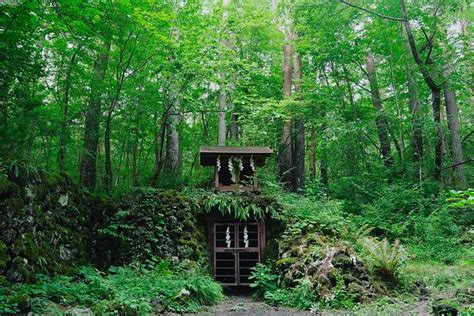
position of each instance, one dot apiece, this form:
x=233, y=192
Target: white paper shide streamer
x=227, y=237
x=246, y=237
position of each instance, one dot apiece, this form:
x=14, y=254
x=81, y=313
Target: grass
x=427, y=285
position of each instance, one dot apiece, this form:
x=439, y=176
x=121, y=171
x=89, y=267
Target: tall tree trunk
x=135, y=160
x=222, y=128
x=88, y=168
x=435, y=92
x=159, y=147
x=172, y=161
x=380, y=121
x=323, y=170
x=350, y=93
x=312, y=154
x=234, y=119
x=108, y=154
x=64, y=132
x=284, y=157
x=468, y=46
x=414, y=108
x=299, y=148
x=221, y=133
x=452, y=115
x=323, y=162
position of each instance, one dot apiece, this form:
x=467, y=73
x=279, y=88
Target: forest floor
x=245, y=305
x=241, y=305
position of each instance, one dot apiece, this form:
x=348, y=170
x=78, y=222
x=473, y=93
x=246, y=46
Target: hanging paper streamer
x=252, y=165
x=232, y=172
x=227, y=237
x=218, y=163
x=246, y=237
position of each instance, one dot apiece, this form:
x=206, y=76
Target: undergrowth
x=123, y=290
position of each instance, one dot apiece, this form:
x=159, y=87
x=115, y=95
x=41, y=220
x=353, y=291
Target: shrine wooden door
x=237, y=249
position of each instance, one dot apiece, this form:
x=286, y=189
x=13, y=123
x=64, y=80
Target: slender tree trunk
x=159, y=147
x=350, y=93
x=452, y=115
x=285, y=159
x=438, y=134
x=221, y=133
x=435, y=92
x=108, y=154
x=64, y=132
x=234, y=120
x=135, y=160
x=323, y=170
x=300, y=148
x=222, y=128
x=172, y=161
x=414, y=108
x=468, y=46
x=323, y=162
x=312, y=155
x=88, y=168
x=380, y=122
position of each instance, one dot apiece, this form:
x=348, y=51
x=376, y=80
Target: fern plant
x=386, y=258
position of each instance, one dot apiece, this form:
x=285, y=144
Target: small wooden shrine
x=235, y=166
x=237, y=246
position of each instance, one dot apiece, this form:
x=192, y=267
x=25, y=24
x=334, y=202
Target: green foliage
x=385, y=259
x=462, y=199
x=151, y=225
x=241, y=205
x=301, y=296
x=437, y=237
x=121, y=290
x=264, y=280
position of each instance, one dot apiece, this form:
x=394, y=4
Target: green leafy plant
x=121, y=290
x=385, y=258
x=461, y=198
x=301, y=296
x=263, y=280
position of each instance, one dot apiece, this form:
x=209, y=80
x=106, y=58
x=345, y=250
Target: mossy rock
x=343, y=262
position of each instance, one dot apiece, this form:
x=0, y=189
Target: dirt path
x=236, y=305
x=245, y=305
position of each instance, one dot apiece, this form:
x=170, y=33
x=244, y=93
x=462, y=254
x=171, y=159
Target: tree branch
x=467, y=136
x=372, y=12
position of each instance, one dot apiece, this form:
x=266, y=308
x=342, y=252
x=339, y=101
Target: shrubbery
x=125, y=290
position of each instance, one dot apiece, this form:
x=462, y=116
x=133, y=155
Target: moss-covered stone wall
x=44, y=220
